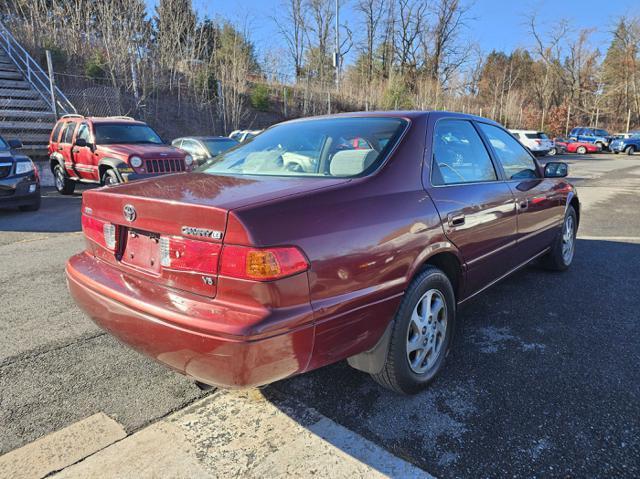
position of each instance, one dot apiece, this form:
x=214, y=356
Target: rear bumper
x=177, y=331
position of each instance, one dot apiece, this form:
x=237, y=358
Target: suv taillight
x=101, y=232
x=261, y=264
x=189, y=255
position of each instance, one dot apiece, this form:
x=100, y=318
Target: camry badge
x=202, y=232
x=129, y=213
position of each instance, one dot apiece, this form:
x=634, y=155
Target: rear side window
x=56, y=132
x=515, y=160
x=459, y=156
x=83, y=132
x=67, y=134
x=537, y=136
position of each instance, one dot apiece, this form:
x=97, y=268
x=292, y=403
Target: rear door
x=64, y=148
x=539, y=201
x=83, y=157
x=476, y=206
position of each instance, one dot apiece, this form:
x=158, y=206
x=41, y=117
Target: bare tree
x=293, y=29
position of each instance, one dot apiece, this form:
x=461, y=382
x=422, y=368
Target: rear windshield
x=113, y=133
x=329, y=147
x=216, y=147
x=537, y=135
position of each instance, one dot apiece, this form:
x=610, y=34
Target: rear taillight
x=539, y=142
x=261, y=264
x=101, y=232
x=189, y=255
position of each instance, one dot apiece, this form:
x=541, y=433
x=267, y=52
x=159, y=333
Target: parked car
x=629, y=145
x=597, y=136
x=108, y=151
x=246, y=272
x=537, y=141
x=571, y=146
x=202, y=148
x=19, y=179
x=244, y=135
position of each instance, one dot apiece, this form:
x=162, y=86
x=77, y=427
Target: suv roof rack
x=71, y=115
x=121, y=117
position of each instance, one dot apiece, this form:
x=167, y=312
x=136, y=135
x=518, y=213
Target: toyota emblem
x=129, y=213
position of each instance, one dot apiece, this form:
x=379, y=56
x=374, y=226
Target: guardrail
x=33, y=73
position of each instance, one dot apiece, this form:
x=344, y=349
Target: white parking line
x=62, y=448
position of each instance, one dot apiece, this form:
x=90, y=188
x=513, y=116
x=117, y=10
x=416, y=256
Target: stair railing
x=33, y=73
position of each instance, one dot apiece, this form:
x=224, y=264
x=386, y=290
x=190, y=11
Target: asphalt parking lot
x=543, y=379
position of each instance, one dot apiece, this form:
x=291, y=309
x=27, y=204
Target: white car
x=537, y=141
x=243, y=135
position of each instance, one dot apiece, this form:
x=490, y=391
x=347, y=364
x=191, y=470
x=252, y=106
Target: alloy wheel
x=568, y=240
x=427, y=331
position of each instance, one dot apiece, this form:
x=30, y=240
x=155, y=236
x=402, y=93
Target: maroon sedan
x=351, y=237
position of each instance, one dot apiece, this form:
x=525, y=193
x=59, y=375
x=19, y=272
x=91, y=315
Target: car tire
x=616, y=152
x=425, y=321
x=630, y=150
x=35, y=206
x=63, y=183
x=552, y=152
x=109, y=178
x=560, y=257
x=581, y=150
x=601, y=146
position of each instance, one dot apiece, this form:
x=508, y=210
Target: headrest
x=351, y=162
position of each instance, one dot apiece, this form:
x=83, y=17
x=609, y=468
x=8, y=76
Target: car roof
x=101, y=119
x=226, y=138
x=404, y=114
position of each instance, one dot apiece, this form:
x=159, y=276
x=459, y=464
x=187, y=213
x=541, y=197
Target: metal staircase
x=28, y=107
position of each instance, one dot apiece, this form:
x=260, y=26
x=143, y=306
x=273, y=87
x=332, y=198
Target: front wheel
x=109, y=178
x=560, y=257
x=552, y=152
x=630, y=150
x=581, y=150
x=421, y=334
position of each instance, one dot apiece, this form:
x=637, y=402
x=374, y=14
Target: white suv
x=538, y=143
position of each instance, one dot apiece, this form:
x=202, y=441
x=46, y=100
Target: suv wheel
x=64, y=185
x=421, y=335
x=581, y=150
x=630, y=150
x=601, y=146
x=563, y=248
x=109, y=177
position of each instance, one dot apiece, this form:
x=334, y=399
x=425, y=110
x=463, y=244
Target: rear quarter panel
x=364, y=240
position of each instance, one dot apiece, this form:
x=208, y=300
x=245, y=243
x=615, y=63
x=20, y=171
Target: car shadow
x=537, y=359
x=57, y=214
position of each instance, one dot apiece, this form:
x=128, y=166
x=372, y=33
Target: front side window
x=319, y=147
x=459, y=156
x=515, y=159
x=67, y=135
x=127, y=133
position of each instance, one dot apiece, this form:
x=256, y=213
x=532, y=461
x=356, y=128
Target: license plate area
x=142, y=251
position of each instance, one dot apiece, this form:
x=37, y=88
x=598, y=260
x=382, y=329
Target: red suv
x=248, y=271
x=109, y=150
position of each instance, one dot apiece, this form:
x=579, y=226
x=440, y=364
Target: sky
x=493, y=24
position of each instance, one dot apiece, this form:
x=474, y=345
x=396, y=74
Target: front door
x=539, y=201
x=476, y=206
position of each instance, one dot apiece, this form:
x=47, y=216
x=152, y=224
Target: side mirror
x=556, y=169
x=15, y=144
x=81, y=142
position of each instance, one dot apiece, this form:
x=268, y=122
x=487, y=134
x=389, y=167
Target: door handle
x=523, y=204
x=455, y=220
